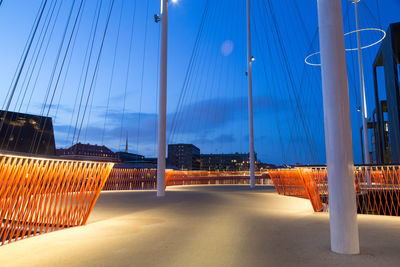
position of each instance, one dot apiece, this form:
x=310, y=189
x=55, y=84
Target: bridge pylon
x=338, y=142
x=162, y=103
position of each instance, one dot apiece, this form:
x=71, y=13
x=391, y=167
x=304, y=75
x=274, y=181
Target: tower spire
x=126, y=145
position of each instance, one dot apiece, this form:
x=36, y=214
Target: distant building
x=184, y=156
x=385, y=121
x=129, y=157
x=88, y=151
x=265, y=166
x=225, y=162
x=380, y=146
x=130, y=160
x=147, y=163
x=27, y=133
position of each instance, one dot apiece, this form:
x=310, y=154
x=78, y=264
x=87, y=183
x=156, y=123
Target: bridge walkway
x=205, y=226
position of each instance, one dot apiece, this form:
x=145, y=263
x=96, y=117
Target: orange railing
x=140, y=179
x=213, y=177
x=377, y=187
x=39, y=195
x=288, y=182
x=131, y=179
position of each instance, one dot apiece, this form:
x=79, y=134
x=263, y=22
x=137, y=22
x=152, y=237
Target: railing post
x=339, y=149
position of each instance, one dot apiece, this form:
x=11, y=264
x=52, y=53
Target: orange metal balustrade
x=213, y=177
x=296, y=183
x=377, y=187
x=40, y=195
x=288, y=182
x=131, y=179
x=139, y=179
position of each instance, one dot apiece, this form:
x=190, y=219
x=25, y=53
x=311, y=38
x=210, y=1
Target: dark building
x=87, y=151
x=129, y=157
x=386, y=117
x=225, y=162
x=146, y=163
x=376, y=142
x=27, y=133
x=184, y=156
x=130, y=160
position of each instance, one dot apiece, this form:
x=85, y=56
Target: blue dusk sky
x=93, y=67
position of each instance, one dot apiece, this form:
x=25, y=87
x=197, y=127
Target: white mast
x=162, y=106
x=250, y=99
x=367, y=158
x=339, y=149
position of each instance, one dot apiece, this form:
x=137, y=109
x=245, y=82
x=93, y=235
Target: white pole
x=250, y=88
x=162, y=106
x=367, y=158
x=339, y=152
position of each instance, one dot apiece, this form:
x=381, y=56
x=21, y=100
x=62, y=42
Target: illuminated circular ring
x=367, y=29
x=310, y=63
x=306, y=60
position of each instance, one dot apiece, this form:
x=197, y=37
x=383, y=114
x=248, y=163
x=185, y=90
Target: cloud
x=210, y=124
x=53, y=108
x=217, y=112
x=219, y=138
x=210, y=115
x=113, y=130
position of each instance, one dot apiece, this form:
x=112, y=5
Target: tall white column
x=339, y=152
x=162, y=105
x=250, y=96
x=367, y=158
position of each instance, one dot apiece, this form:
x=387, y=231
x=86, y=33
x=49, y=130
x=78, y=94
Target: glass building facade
x=26, y=133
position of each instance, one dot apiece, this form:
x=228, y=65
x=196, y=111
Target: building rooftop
x=80, y=150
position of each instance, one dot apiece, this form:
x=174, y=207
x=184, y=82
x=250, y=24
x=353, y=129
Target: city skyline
x=207, y=133
x=213, y=113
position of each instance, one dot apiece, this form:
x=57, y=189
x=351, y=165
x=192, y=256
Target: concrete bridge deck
x=205, y=226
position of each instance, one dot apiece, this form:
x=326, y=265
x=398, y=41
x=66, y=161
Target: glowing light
x=55, y=158
x=174, y=1
x=227, y=48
